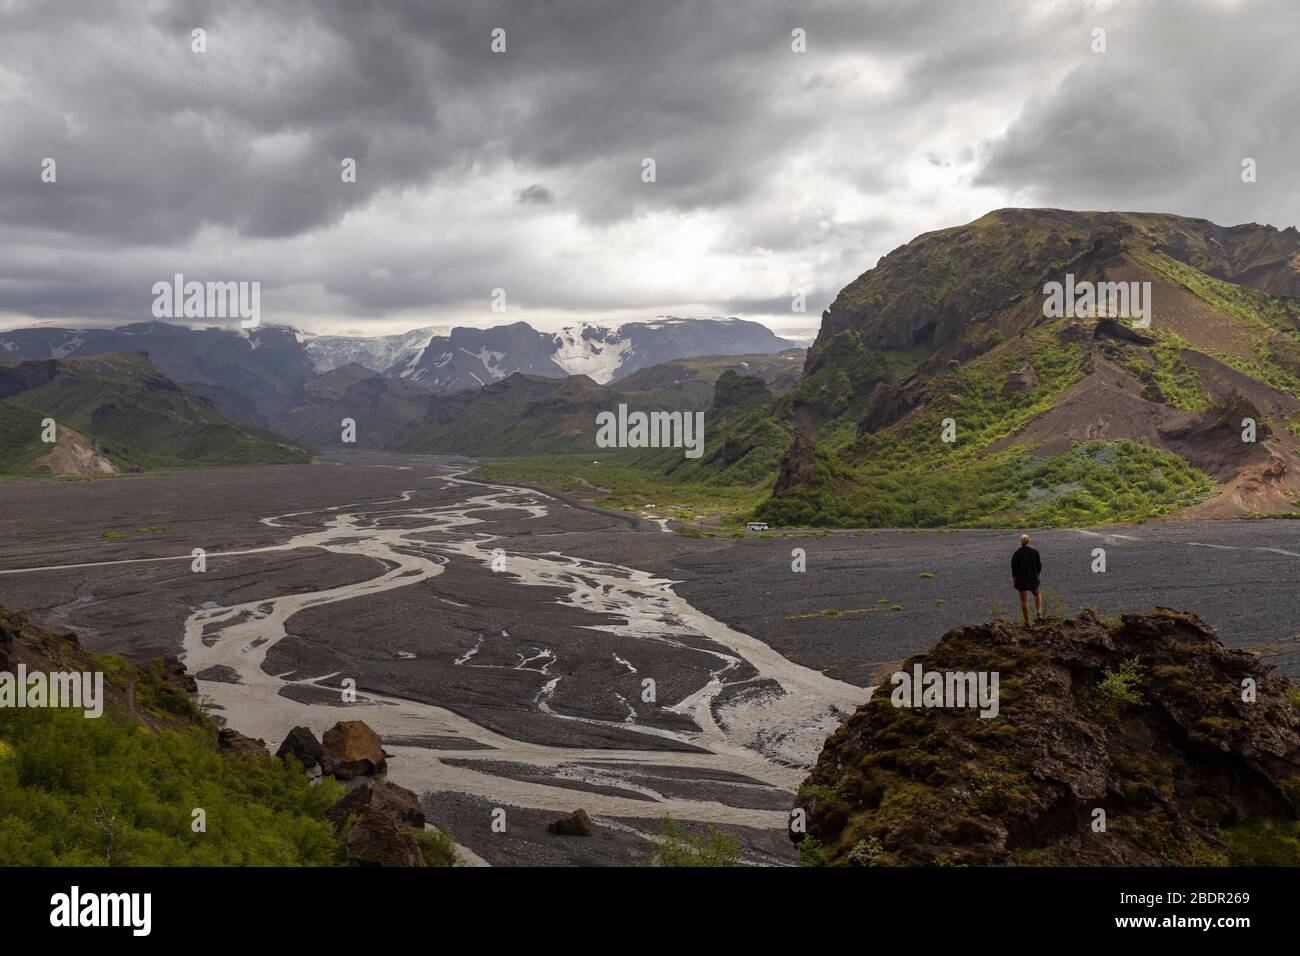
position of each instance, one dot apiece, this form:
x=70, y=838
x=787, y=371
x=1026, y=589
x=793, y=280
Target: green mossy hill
x=138, y=418
x=950, y=329
x=121, y=789
x=1142, y=718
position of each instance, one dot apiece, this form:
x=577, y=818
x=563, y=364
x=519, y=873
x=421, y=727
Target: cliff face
x=1188, y=752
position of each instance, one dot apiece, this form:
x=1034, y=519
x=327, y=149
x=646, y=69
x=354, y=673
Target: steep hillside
x=1136, y=742
x=527, y=414
x=120, y=789
x=383, y=408
x=938, y=391
x=121, y=409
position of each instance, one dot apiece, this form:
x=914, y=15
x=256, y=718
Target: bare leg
x=1024, y=606
x=1038, y=600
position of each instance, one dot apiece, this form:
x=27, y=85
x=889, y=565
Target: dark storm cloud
x=1163, y=119
x=536, y=194
x=229, y=161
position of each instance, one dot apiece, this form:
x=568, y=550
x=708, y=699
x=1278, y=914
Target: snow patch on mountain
x=381, y=353
x=68, y=348
x=592, y=350
x=489, y=358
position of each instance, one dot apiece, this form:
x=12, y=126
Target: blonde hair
x=1024, y=539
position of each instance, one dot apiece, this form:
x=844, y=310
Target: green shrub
x=812, y=852
x=713, y=847
x=109, y=792
x=1117, y=690
x=436, y=847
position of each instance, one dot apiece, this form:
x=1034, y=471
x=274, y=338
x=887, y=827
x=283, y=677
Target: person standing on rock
x=1026, y=566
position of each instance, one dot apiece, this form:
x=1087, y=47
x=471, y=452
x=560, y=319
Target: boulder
x=378, y=840
x=352, y=749
x=233, y=742
x=302, y=744
x=387, y=799
x=1022, y=380
x=576, y=823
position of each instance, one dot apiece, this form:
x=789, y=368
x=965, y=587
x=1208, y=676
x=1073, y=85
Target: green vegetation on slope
x=20, y=438
x=110, y=791
x=79, y=792
x=906, y=475
x=1094, y=483
x=142, y=419
x=1268, y=320
x=1175, y=381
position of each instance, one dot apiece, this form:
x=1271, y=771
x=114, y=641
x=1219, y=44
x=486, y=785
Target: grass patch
x=617, y=482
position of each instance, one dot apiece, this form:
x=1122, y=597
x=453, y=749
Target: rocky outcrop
x=352, y=749
x=174, y=673
x=1213, y=440
x=386, y=799
x=302, y=744
x=377, y=840
x=75, y=454
x=1185, y=752
x=234, y=743
x=1111, y=328
x=798, y=468
x=576, y=823
x=380, y=823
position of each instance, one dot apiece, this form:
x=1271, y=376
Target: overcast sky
x=776, y=171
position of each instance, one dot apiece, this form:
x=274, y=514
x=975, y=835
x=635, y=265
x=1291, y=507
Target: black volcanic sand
x=139, y=610
x=1239, y=576
x=517, y=630
x=617, y=842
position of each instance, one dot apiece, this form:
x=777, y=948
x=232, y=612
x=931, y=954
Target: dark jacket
x=1026, y=566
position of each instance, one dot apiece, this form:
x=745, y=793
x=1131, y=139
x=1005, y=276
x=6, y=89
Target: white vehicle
x=756, y=526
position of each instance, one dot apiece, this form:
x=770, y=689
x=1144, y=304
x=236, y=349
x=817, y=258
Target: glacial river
x=770, y=737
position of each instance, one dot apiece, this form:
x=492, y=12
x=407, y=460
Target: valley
x=524, y=688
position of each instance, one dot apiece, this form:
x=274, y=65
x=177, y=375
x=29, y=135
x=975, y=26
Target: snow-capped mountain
x=468, y=358
x=255, y=375
x=380, y=353
x=606, y=353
